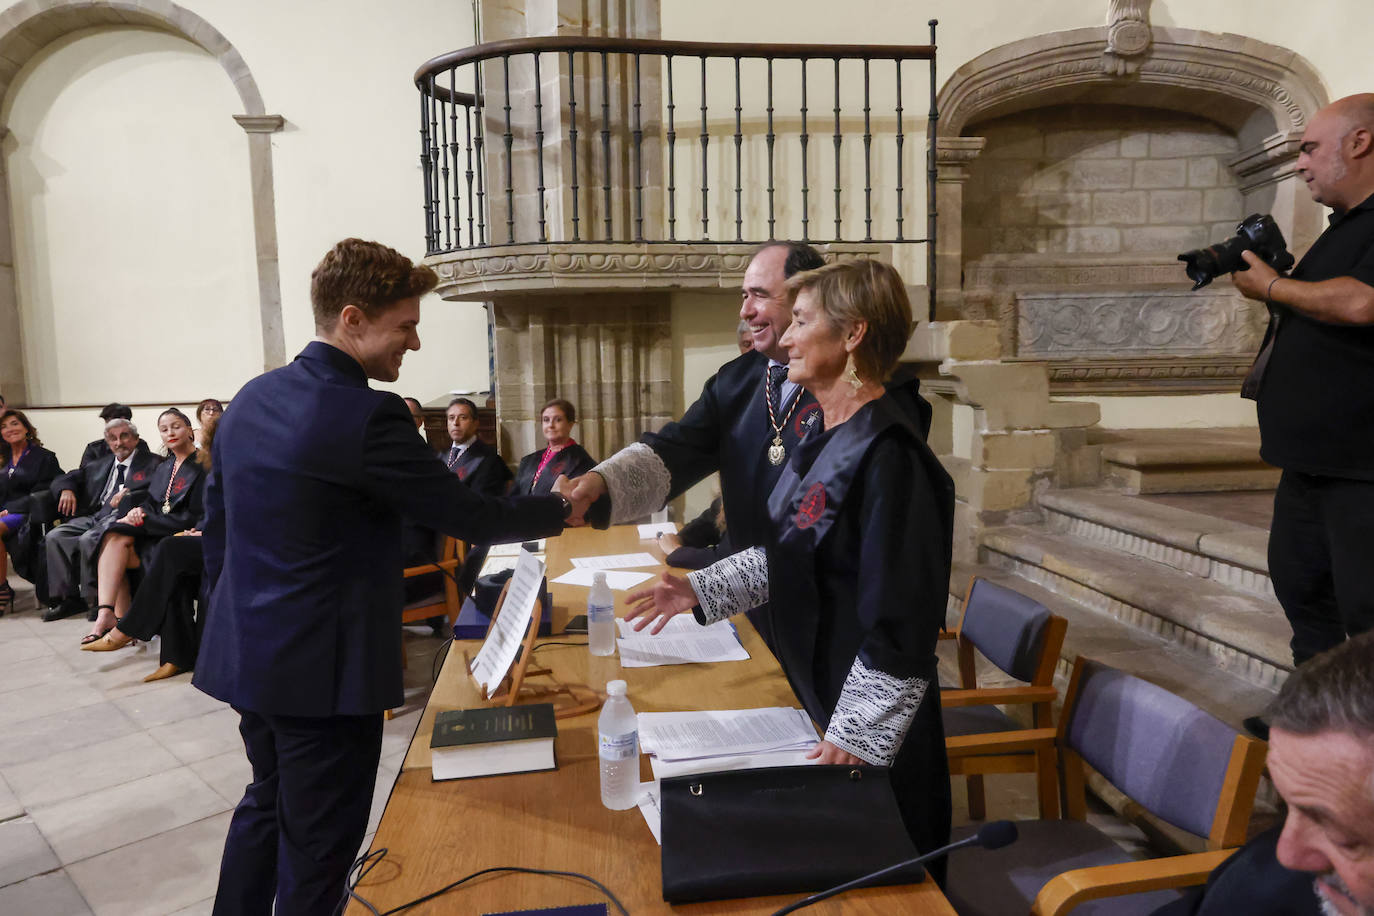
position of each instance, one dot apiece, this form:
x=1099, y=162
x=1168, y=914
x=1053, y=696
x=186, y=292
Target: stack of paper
x=683, y=641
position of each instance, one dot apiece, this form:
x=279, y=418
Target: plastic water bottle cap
x=615, y=688
x=598, y=578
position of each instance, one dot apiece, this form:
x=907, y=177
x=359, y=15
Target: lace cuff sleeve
x=637, y=480
x=732, y=585
x=873, y=714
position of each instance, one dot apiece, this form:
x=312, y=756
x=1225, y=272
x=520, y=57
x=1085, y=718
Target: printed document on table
x=789, y=758
x=508, y=631
x=640, y=650
x=618, y=579
x=649, y=807
x=714, y=733
x=494, y=565
x=512, y=549
x=616, y=561
x=679, y=625
x=654, y=529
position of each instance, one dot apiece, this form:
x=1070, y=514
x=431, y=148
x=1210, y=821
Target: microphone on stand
x=990, y=836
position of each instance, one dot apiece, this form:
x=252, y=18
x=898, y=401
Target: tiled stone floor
x=115, y=795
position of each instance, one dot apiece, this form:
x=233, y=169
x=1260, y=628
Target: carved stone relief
x=1128, y=36
x=1137, y=322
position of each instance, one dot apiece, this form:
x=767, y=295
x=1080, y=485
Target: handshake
x=581, y=492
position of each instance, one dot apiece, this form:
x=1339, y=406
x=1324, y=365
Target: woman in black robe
x=561, y=456
x=25, y=466
x=864, y=506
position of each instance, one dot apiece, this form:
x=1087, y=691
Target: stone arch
x=26, y=28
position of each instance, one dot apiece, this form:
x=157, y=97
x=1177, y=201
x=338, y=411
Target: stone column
x=13, y=384
x=608, y=352
x=952, y=156
x=260, y=129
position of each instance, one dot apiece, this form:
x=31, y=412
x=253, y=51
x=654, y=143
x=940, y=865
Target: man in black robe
x=747, y=420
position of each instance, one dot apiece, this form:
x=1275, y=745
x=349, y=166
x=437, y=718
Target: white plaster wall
x=133, y=230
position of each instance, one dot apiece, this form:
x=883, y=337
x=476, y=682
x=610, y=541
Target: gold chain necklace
x=776, y=453
x=167, y=498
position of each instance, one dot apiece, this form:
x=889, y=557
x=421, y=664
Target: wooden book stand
x=568, y=699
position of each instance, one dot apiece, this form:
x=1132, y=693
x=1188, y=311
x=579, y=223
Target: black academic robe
x=185, y=494
x=483, y=470
x=859, y=560
x=93, y=451
x=37, y=469
x=572, y=461
x=703, y=543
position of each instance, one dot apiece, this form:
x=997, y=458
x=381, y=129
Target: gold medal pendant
x=166, y=506
x=776, y=453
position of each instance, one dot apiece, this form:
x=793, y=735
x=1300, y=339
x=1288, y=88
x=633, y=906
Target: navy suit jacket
x=313, y=472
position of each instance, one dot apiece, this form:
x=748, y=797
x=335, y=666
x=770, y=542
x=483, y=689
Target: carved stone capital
x=954, y=154
x=484, y=274
x=1273, y=158
x=261, y=124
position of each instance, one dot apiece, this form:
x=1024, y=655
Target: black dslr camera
x=1257, y=233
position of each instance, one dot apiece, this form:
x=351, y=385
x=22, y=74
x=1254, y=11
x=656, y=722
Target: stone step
x=1147, y=655
x=1244, y=634
x=1231, y=553
x=1184, y=460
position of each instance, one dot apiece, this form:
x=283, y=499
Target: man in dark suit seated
x=99, y=448
x=313, y=473
x=475, y=462
x=1321, y=759
x=87, y=499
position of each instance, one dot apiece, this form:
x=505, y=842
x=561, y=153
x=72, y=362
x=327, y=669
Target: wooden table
x=436, y=833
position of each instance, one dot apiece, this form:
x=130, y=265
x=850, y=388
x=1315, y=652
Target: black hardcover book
x=493, y=739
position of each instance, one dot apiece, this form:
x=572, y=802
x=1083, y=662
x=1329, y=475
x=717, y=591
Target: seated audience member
x=1321, y=760
x=100, y=448
x=475, y=462
x=87, y=500
x=701, y=542
x=27, y=467
x=207, y=411
x=561, y=456
x=173, y=502
x=166, y=601
x=746, y=337
x=417, y=413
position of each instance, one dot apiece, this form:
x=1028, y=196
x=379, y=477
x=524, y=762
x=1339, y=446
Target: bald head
x=1337, y=154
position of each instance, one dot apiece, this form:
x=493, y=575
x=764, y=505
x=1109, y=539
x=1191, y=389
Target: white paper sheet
x=680, y=625
x=649, y=807
x=498, y=651
x=788, y=758
x=654, y=529
x=707, y=733
x=494, y=565
x=641, y=650
x=616, y=561
x=512, y=549
x=619, y=580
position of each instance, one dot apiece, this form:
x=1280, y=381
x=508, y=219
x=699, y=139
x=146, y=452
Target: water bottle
x=600, y=617
x=618, y=738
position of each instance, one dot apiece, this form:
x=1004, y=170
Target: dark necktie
x=118, y=482
x=453, y=454
x=777, y=375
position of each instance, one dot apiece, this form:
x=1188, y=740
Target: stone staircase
x=1183, y=460
x=1178, y=597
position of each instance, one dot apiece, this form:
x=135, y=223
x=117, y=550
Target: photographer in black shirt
x=1314, y=381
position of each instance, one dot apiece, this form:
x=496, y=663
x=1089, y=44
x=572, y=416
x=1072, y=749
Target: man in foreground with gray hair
x=1321, y=759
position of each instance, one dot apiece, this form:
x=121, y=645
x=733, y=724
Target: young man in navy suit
x=313, y=473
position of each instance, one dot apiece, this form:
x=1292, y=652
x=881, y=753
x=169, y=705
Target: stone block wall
x=1099, y=180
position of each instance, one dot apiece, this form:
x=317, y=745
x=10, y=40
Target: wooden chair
x=447, y=601
x=1022, y=639
x=1168, y=757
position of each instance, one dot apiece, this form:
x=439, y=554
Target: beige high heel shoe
x=109, y=642
x=166, y=670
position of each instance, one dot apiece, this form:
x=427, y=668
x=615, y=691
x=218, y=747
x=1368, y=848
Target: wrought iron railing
x=614, y=170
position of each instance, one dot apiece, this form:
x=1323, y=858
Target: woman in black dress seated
x=173, y=503
x=562, y=456
x=856, y=571
x=166, y=601
x=27, y=466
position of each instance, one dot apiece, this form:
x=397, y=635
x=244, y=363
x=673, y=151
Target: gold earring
x=852, y=377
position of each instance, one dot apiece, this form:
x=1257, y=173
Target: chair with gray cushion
x=1179, y=763
x=1022, y=639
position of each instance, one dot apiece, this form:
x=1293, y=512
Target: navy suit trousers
x=303, y=817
